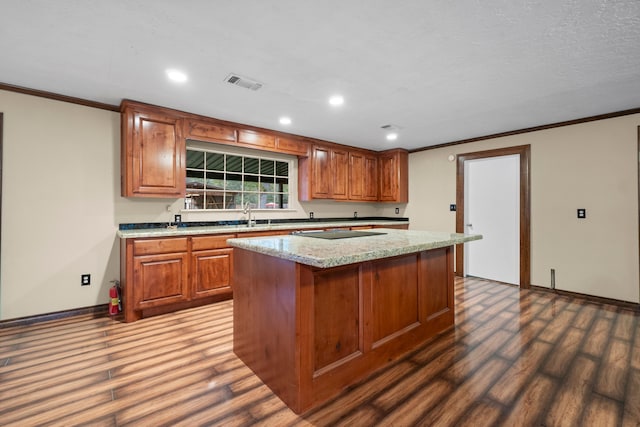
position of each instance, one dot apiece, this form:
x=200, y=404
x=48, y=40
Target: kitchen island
x=313, y=315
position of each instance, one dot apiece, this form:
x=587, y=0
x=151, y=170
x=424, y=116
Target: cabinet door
x=388, y=184
x=211, y=132
x=393, y=167
x=370, y=184
x=356, y=176
x=159, y=280
x=292, y=146
x=255, y=139
x=321, y=178
x=153, y=155
x=340, y=173
x=211, y=272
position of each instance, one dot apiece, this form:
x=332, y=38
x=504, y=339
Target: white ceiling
x=441, y=70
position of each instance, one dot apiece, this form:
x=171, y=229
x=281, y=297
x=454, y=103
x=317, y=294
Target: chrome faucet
x=247, y=210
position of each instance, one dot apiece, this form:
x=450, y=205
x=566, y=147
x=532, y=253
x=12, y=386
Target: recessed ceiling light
x=176, y=76
x=392, y=136
x=285, y=120
x=336, y=100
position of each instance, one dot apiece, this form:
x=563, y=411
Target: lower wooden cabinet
x=160, y=275
x=211, y=272
x=159, y=279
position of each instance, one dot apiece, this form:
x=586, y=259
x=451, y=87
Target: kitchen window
x=219, y=180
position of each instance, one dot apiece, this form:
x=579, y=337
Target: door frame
x=525, y=206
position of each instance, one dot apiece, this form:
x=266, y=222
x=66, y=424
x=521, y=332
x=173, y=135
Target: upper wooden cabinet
x=324, y=174
x=363, y=176
x=255, y=139
x=211, y=132
x=153, y=153
x=292, y=146
x=340, y=174
x=394, y=180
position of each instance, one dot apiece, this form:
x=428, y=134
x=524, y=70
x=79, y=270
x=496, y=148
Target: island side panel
x=437, y=296
x=265, y=319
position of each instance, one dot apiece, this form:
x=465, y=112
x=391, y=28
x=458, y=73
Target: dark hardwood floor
x=515, y=358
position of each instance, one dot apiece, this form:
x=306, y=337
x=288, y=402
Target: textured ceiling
x=441, y=70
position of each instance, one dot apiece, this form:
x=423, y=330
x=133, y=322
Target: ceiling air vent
x=244, y=82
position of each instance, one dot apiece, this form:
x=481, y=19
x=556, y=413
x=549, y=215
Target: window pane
x=268, y=201
x=267, y=167
x=195, y=179
x=251, y=198
x=250, y=185
x=285, y=201
x=234, y=182
x=195, y=159
x=215, y=162
x=282, y=168
x=234, y=163
x=215, y=180
x=215, y=200
x=234, y=200
x=267, y=184
x=194, y=199
x=251, y=165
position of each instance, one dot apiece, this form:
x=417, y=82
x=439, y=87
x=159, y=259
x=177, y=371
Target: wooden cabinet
x=393, y=176
x=363, y=176
x=314, y=174
x=317, y=331
x=292, y=146
x=211, y=266
x=160, y=272
x=327, y=174
x=202, y=130
x=153, y=153
x=255, y=139
x=160, y=275
x=340, y=174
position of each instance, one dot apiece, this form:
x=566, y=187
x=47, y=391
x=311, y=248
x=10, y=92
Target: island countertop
x=332, y=253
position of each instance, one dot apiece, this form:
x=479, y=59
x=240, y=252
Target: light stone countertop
x=223, y=229
x=325, y=253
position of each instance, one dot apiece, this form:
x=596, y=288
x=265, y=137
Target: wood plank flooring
x=514, y=358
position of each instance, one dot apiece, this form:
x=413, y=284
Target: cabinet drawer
x=210, y=242
x=160, y=246
x=257, y=139
x=209, y=131
x=293, y=146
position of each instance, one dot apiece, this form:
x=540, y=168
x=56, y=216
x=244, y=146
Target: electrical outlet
x=85, y=280
x=177, y=218
x=355, y=214
x=397, y=211
x=582, y=213
x=310, y=215
x=452, y=208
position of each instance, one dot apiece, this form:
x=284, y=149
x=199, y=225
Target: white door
x=492, y=208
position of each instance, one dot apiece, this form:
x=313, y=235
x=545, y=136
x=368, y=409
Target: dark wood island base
x=310, y=332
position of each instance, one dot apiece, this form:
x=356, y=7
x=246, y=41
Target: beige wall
x=61, y=205
x=591, y=165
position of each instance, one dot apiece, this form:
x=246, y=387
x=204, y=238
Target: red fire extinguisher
x=115, y=306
